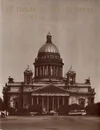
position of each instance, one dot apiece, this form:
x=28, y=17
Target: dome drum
x=48, y=61
x=48, y=70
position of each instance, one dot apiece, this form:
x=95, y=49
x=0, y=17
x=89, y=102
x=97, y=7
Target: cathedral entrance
x=49, y=103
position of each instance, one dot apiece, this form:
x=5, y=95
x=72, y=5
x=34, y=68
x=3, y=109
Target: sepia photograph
x=49, y=65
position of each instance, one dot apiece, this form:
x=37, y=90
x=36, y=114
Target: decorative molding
x=49, y=94
x=78, y=90
x=14, y=89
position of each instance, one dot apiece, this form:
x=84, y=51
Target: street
x=50, y=123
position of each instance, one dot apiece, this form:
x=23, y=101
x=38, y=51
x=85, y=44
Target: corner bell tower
x=28, y=75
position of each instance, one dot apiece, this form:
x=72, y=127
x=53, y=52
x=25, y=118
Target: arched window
x=28, y=78
x=82, y=102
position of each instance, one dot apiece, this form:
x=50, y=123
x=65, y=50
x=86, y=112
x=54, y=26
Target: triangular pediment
x=50, y=89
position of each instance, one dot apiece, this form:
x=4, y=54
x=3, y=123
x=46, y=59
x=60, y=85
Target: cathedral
x=47, y=86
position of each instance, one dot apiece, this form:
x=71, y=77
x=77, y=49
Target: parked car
x=35, y=113
x=44, y=113
x=77, y=112
x=52, y=113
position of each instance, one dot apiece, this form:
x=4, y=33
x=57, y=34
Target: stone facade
x=48, y=87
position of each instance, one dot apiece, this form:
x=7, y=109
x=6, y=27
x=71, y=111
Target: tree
x=63, y=110
x=93, y=109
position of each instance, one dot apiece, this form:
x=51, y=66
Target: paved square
x=50, y=123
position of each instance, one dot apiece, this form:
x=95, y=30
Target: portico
x=49, y=102
x=50, y=97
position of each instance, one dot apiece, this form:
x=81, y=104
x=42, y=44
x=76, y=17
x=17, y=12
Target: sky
x=75, y=29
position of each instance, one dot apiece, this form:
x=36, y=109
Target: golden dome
x=48, y=46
